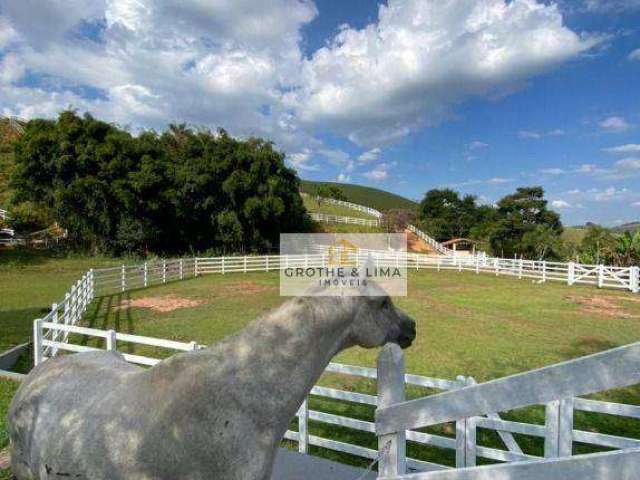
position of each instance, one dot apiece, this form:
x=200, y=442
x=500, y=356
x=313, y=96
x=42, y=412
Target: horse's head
x=377, y=321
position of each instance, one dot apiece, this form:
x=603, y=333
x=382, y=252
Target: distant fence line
x=327, y=218
x=105, y=281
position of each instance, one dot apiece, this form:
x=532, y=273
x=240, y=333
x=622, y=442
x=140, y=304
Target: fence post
x=92, y=284
x=123, y=279
x=391, y=447
x=244, y=264
x=56, y=333
x=303, y=430
x=146, y=274
x=181, y=274
x=193, y=345
x=634, y=275
x=477, y=265
x=267, y=263
x=551, y=423
x=37, y=342
x=520, y=269
x=544, y=271
x=565, y=429
x=600, y=275
x=164, y=270
x=111, y=340
x=195, y=266
x=571, y=273
x=223, y=265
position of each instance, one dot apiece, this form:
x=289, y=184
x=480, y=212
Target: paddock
x=472, y=328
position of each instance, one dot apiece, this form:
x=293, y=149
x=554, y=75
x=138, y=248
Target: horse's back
x=47, y=411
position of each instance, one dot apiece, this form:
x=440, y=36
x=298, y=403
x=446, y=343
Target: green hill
x=367, y=196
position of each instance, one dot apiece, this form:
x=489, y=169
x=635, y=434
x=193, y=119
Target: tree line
x=521, y=224
x=176, y=191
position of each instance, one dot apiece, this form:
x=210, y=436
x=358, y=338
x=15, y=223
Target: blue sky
x=406, y=95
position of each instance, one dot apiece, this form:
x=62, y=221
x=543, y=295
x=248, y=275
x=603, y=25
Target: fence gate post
x=111, y=340
x=391, y=447
x=571, y=273
x=37, y=342
x=552, y=424
x=123, y=279
x=634, y=275
x=303, y=430
x=565, y=430
x=600, y=275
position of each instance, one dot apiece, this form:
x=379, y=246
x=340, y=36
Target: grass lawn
x=479, y=326
x=475, y=325
x=30, y=282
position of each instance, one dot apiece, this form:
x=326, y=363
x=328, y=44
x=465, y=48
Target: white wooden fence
x=323, y=217
x=105, y=281
x=354, y=206
x=556, y=387
x=4, y=214
x=469, y=405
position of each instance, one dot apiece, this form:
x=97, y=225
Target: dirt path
x=418, y=245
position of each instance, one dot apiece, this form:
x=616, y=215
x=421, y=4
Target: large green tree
x=445, y=215
x=182, y=190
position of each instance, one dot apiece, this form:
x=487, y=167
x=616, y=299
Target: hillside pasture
x=312, y=206
x=369, y=196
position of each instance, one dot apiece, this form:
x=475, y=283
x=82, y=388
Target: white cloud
x=586, y=168
x=421, y=58
x=609, y=194
x=627, y=164
x=476, y=144
x=636, y=204
x=628, y=148
x=342, y=178
x=535, y=135
x=498, y=180
x=379, y=173
x=370, y=155
x=560, y=204
x=552, y=171
x=615, y=124
x=635, y=54
x=240, y=64
x=300, y=161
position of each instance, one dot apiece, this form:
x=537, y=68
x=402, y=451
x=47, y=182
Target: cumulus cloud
x=343, y=178
x=635, y=54
x=628, y=164
x=239, y=64
x=614, y=124
x=421, y=58
x=560, y=204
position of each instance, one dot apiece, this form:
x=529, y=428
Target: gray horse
x=217, y=413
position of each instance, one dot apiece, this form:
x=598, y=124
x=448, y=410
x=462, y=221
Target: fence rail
x=322, y=217
x=472, y=406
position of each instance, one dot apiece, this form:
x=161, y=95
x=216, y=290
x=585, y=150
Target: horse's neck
x=277, y=359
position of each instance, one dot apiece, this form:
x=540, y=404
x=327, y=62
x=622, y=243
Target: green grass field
x=368, y=196
x=475, y=325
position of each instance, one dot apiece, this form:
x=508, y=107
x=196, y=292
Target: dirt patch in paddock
x=167, y=303
x=603, y=306
x=245, y=288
